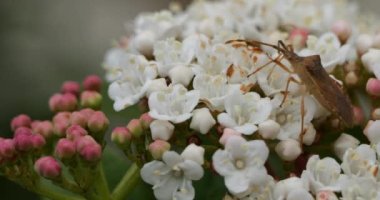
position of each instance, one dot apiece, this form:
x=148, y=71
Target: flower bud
x=23, y=139
x=202, y=120
x=78, y=118
x=91, y=153
x=135, y=127
x=373, y=87
x=371, y=61
x=65, y=149
x=269, y=129
x=144, y=42
x=44, y=128
x=98, y=122
x=326, y=195
x=161, y=129
x=63, y=102
x=298, y=37
x=61, y=121
x=48, y=167
x=75, y=131
x=181, y=74
x=121, y=136
x=372, y=131
x=310, y=134
x=343, y=143
x=363, y=43
x=194, y=153
x=376, y=114
x=91, y=99
x=93, y=83
x=342, y=29
x=227, y=133
x=157, y=148
x=87, y=112
x=7, y=148
x=38, y=141
x=81, y=142
x=351, y=78
x=70, y=87
x=288, y=150
x=146, y=119
x=20, y=121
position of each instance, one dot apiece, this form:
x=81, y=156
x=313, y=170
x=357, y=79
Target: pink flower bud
x=21, y=121
x=63, y=102
x=373, y=87
x=92, y=82
x=91, y=153
x=78, y=118
x=87, y=112
x=71, y=87
x=146, y=119
x=298, y=36
x=7, y=148
x=342, y=29
x=98, y=122
x=48, y=167
x=44, y=128
x=81, y=142
x=65, y=149
x=135, y=127
x=75, y=131
x=61, y=121
x=23, y=139
x=38, y=141
x=158, y=148
x=358, y=115
x=121, y=136
x=227, y=133
x=326, y=195
x=91, y=99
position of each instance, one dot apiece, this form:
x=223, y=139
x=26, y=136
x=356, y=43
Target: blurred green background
x=45, y=42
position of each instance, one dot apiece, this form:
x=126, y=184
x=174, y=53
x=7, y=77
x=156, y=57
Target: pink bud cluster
x=48, y=167
x=71, y=97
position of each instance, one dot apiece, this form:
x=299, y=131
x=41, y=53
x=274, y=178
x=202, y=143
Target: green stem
x=127, y=183
x=47, y=191
x=102, y=185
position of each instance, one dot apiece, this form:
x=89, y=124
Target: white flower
x=181, y=74
x=213, y=89
x=167, y=54
x=242, y=164
x=363, y=43
x=263, y=191
x=355, y=188
x=174, y=104
x=194, y=153
x=161, y=129
x=290, y=187
x=195, y=47
x=322, y=174
x=130, y=87
x=113, y=62
x=372, y=131
x=245, y=111
x=156, y=85
x=288, y=149
x=371, y=60
x=202, y=120
x=343, y=143
x=172, y=177
x=326, y=195
x=329, y=49
x=360, y=161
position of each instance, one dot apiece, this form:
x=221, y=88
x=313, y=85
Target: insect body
x=317, y=81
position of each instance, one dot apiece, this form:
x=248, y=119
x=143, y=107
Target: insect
x=316, y=80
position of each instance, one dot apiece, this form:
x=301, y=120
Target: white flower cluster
x=192, y=68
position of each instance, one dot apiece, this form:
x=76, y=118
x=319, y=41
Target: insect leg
x=263, y=66
x=303, y=131
x=286, y=92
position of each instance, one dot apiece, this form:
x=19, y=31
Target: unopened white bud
x=364, y=43
x=371, y=61
x=144, y=42
x=161, y=129
x=181, y=74
x=310, y=134
x=269, y=129
x=202, y=120
x=343, y=143
x=194, y=153
x=372, y=131
x=288, y=150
